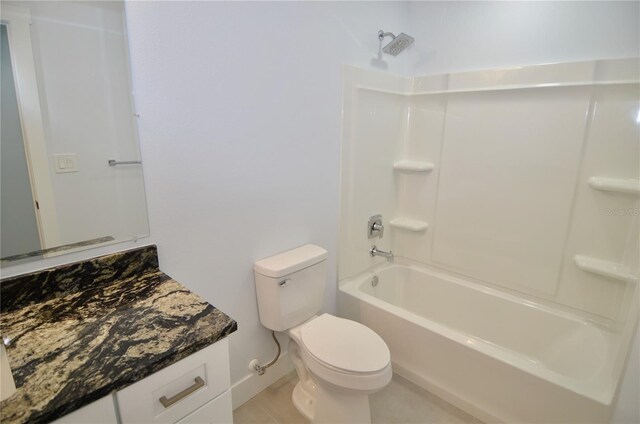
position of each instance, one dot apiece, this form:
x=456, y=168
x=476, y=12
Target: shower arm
x=382, y=34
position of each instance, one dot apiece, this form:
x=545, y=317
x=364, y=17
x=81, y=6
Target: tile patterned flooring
x=401, y=402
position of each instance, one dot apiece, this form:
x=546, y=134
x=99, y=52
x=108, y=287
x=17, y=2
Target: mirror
x=71, y=171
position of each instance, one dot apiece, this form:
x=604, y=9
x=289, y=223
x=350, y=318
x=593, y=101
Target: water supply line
x=261, y=369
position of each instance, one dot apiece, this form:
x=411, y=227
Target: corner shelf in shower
x=619, y=185
x=412, y=166
x=409, y=224
x=604, y=268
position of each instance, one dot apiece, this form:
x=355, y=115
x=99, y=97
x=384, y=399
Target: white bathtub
x=492, y=354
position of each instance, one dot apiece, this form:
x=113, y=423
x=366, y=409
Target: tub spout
x=374, y=251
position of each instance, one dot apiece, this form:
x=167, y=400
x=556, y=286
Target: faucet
x=374, y=251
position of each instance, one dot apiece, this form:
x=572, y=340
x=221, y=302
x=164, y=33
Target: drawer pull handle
x=183, y=394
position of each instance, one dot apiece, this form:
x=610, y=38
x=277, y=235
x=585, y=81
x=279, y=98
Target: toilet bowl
x=339, y=362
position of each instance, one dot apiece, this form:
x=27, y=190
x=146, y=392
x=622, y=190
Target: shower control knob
x=375, y=227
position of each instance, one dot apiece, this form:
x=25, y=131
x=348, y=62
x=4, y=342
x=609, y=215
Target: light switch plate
x=67, y=162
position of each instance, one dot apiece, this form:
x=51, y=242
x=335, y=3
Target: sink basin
x=7, y=385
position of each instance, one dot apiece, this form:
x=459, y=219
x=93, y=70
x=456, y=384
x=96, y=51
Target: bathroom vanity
x=113, y=339
x=194, y=390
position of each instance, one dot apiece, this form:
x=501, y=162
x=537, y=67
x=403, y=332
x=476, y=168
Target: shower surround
x=521, y=183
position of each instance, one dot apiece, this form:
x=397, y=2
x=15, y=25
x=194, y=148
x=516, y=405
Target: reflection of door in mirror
x=28, y=216
x=19, y=226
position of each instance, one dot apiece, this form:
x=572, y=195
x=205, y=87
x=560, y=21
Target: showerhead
x=398, y=44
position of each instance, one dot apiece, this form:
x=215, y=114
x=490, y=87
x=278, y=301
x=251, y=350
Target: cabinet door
x=102, y=411
x=217, y=411
x=176, y=391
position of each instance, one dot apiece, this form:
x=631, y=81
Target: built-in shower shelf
x=412, y=166
x=604, y=268
x=409, y=224
x=620, y=185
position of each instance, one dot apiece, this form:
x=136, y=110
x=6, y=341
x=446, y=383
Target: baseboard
x=446, y=395
x=252, y=384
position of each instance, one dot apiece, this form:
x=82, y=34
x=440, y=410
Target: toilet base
x=341, y=407
x=304, y=399
x=320, y=406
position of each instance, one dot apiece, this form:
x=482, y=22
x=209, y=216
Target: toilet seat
x=344, y=345
x=328, y=344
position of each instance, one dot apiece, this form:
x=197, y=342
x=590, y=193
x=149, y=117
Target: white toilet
x=339, y=362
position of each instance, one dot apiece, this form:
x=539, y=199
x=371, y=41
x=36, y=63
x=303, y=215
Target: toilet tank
x=290, y=286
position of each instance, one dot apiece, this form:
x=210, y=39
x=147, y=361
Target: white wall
x=240, y=125
x=462, y=36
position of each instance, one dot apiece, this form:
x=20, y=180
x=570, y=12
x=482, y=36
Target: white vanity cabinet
x=218, y=410
x=102, y=411
x=194, y=389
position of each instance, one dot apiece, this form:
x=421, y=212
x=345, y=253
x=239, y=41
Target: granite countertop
x=81, y=331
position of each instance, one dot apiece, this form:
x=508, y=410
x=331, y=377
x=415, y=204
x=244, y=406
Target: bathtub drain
x=374, y=281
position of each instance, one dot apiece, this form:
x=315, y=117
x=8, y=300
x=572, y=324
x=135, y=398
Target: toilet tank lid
x=290, y=261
